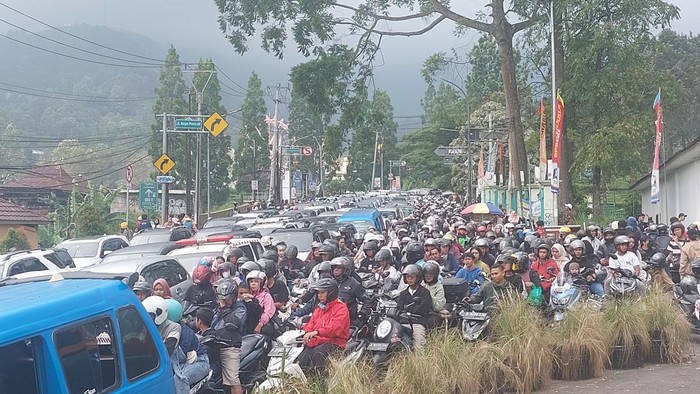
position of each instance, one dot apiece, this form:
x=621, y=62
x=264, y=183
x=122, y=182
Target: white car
x=192, y=250
x=91, y=250
x=19, y=262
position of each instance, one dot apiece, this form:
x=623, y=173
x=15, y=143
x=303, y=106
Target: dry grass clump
x=629, y=342
x=347, y=377
x=580, y=345
x=668, y=328
x=523, y=337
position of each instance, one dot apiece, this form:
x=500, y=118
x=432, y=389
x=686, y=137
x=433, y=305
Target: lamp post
x=467, y=138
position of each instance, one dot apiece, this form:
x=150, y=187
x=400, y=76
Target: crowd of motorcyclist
x=498, y=257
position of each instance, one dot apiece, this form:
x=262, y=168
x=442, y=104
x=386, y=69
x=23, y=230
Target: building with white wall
x=679, y=185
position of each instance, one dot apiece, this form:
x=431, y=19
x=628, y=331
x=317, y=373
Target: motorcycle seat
x=250, y=342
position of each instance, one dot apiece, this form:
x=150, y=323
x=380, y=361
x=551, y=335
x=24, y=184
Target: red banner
x=543, y=141
x=558, y=129
x=657, y=144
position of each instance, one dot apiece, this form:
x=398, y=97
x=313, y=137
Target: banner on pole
x=543, y=141
x=657, y=143
x=558, y=129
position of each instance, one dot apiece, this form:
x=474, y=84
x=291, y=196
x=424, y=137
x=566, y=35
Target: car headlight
x=383, y=329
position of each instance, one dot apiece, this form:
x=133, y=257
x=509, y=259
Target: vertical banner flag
x=556, y=142
x=480, y=171
x=500, y=162
x=657, y=144
x=543, y=141
x=490, y=176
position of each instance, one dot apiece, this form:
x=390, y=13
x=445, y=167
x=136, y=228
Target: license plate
x=378, y=347
x=475, y=315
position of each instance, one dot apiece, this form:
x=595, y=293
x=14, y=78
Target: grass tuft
x=667, y=327
x=629, y=342
x=580, y=345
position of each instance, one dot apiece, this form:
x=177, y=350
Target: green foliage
x=89, y=222
x=252, y=156
x=11, y=156
x=16, y=240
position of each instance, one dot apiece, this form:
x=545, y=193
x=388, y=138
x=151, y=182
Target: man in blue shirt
x=471, y=273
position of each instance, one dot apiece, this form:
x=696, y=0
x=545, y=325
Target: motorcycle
x=253, y=362
x=624, y=283
x=283, y=359
x=564, y=295
x=390, y=336
x=689, y=303
x=472, y=320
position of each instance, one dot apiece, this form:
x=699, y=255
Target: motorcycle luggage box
x=455, y=289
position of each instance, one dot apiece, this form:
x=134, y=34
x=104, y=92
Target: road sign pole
x=164, y=186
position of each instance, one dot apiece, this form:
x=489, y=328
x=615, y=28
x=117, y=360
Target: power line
x=74, y=57
x=78, y=49
x=229, y=78
x=80, y=38
x=72, y=97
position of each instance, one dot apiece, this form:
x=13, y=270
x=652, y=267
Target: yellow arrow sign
x=216, y=124
x=164, y=164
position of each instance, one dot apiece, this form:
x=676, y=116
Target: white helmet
x=255, y=274
x=157, y=308
x=266, y=241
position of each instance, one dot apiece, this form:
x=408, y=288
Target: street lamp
x=468, y=132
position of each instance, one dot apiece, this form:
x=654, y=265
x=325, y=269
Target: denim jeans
x=188, y=374
x=596, y=288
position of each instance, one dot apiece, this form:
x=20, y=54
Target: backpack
x=253, y=313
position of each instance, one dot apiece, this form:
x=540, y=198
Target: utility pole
x=188, y=161
x=320, y=168
x=198, y=169
x=274, y=154
x=374, y=161
x=164, y=186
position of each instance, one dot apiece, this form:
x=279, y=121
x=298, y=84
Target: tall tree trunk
x=597, y=191
x=566, y=188
x=502, y=31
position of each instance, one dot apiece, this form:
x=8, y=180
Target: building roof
x=684, y=156
x=13, y=213
x=47, y=177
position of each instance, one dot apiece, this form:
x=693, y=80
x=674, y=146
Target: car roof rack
x=17, y=252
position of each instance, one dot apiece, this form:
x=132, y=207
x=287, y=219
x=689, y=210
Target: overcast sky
x=191, y=26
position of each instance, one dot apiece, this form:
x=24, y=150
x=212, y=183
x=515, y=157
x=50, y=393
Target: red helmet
x=201, y=274
x=480, y=229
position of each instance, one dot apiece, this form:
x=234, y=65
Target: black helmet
x=340, y=262
x=143, y=285
x=235, y=252
x=324, y=266
x=548, y=248
x=269, y=267
x=414, y=252
x=431, y=267
x=658, y=260
x=227, y=267
x=328, y=250
x=521, y=262
x=327, y=284
x=689, y=285
x=622, y=240
x=676, y=225
x=481, y=242
x=248, y=266
x=371, y=245
x=652, y=229
x=662, y=229
x=608, y=231
x=226, y=289
x=383, y=255
x=693, y=233
x=412, y=270
x=271, y=255
x=292, y=252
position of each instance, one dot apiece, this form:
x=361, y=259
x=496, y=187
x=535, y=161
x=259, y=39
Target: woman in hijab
x=161, y=288
x=560, y=256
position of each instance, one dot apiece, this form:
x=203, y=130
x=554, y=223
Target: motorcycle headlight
x=563, y=300
x=383, y=329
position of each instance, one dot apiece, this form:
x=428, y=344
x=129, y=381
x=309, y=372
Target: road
x=650, y=378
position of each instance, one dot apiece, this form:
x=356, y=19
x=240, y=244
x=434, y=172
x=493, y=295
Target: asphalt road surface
x=650, y=378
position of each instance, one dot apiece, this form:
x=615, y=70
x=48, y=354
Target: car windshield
x=389, y=214
x=146, y=238
x=80, y=249
x=361, y=225
x=302, y=240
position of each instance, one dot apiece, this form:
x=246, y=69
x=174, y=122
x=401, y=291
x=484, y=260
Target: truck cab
x=79, y=332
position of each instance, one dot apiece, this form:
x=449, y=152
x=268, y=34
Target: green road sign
x=148, y=196
x=294, y=150
x=188, y=124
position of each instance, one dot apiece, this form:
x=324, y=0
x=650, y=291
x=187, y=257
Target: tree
x=313, y=24
x=15, y=240
x=88, y=222
x=606, y=66
x=252, y=156
x=170, y=99
x=206, y=81
x=12, y=156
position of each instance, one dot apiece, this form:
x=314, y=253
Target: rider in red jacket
x=328, y=330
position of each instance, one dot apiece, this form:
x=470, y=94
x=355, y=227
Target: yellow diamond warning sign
x=216, y=124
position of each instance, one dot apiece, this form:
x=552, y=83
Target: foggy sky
x=191, y=26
